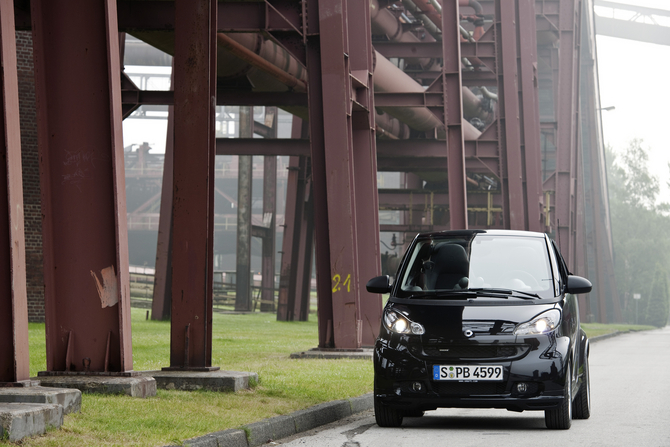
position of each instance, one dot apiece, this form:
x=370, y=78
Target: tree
x=659, y=304
x=640, y=229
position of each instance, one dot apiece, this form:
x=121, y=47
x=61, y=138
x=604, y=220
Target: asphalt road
x=630, y=393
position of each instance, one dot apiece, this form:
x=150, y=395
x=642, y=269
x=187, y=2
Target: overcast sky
x=634, y=79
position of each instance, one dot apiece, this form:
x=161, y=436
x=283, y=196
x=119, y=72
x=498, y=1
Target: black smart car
x=481, y=319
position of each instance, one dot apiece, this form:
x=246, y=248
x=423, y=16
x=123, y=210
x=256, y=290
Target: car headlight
x=541, y=324
x=400, y=324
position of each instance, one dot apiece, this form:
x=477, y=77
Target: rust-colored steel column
x=87, y=299
x=530, y=126
x=243, y=279
x=269, y=217
x=14, y=359
x=519, y=116
x=194, y=149
x=268, y=242
x=365, y=164
x=452, y=85
x=340, y=105
x=298, y=242
x=162, y=300
x=566, y=114
x=513, y=197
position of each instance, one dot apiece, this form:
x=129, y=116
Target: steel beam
x=451, y=84
x=269, y=219
x=602, y=304
x=243, y=301
x=297, y=248
x=193, y=193
x=85, y=242
x=14, y=358
x=161, y=305
x=342, y=143
x=567, y=90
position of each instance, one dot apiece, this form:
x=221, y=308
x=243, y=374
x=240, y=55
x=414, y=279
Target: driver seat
x=450, y=268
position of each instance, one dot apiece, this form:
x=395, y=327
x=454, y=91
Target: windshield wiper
x=507, y=292
x=465, y=293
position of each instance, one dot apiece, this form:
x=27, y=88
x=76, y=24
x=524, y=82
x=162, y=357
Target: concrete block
x=138, y=386
x=320, y=415
x=20, y=420
x=198, y=380
x=326, y=353
x=69, y=398
x=267, y=430
x=202, y=441
x=361, y=403
x=231, y=438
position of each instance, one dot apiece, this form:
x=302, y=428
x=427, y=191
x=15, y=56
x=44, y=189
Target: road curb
x=278, y=427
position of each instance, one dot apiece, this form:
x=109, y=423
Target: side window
x=555, y=269
x=561, y=263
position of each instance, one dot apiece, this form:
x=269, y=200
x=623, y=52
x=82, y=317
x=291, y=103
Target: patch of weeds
x=247, y=432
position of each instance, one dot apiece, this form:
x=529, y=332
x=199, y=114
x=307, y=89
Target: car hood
x=451, y=320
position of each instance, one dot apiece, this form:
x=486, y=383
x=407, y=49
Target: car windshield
x=503, y=264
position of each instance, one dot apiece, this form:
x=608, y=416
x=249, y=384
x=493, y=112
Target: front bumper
x=404, y=380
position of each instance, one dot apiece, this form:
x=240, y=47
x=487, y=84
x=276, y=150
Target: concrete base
x=198, y=380
x=325, y=353
x=138, y=386
x=69, y=399
x=20, y=420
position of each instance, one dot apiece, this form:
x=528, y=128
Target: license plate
x=468, y=372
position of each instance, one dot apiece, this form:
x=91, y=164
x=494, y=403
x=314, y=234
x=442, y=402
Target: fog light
x=521, y=387
x=417, y=386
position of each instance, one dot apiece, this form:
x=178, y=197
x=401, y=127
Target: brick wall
x=31, y=176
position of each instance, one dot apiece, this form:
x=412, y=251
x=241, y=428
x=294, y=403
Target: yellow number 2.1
x=338, y=283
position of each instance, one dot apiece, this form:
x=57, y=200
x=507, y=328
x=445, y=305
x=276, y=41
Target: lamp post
x=636, y=297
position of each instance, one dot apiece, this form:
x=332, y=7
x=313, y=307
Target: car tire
x=560, y=418
x=582, y=405
x=387, y=416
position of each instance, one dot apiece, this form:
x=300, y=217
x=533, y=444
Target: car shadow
x=507, y=423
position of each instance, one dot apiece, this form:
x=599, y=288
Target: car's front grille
x=498, y=352
x=447, y=389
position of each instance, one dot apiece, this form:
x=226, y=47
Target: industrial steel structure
x=488, y=108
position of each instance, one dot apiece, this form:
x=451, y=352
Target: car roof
x=492, y=232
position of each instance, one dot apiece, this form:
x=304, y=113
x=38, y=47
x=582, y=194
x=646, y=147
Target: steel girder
x=603, y=303
x=14, y=359
x=343, y=171
x=85, y=241
x=193, y=188
x=298, y=242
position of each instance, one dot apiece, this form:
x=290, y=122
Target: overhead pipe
x=385, y=22
x=428, y=24
x=258, y=61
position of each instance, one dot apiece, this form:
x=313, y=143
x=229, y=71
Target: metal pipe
x=428, y=24
x=260, y=62
x=385, y=22
x=389, y=78
x=473, y=107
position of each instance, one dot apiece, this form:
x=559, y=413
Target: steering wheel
x=525, y=277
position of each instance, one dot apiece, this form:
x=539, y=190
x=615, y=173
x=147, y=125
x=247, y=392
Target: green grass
x=595, y=329
x=255, y=342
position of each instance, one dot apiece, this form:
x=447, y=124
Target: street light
x=636, y=297
x=607, y=109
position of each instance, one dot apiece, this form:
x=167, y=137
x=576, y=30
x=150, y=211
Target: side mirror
x=577, y=285
x=379, y=284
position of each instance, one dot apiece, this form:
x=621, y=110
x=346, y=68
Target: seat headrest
x=451, y=258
